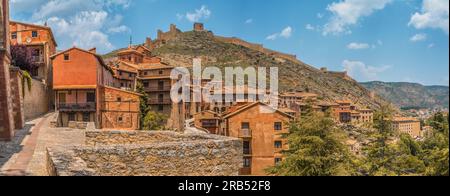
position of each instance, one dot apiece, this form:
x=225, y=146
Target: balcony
x=77, y=107
x=160, y=101
x=245, y=133
x=37, y=59
x=158, y=89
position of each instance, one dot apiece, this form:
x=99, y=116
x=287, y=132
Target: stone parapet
x=154, y=153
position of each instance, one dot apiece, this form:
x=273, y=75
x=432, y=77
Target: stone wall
x=123, y=153
x=258, y=47
x=36, y=101
x=17, y=98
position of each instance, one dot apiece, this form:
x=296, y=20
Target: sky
x=383, y=40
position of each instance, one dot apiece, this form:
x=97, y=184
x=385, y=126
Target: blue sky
x=387, y=40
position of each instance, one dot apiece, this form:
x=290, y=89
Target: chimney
x=93, y=50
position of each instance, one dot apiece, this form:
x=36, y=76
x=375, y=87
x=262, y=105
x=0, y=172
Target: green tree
x=154, y=121
x=436, y=148
x=406, y=160
x=144, y=108
x=316, y=148
x=379, y=155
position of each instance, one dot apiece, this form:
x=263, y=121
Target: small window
x=86, y=117
x=161, y=72
x=160, y=108
x=14, y=35
x=90, y=97
x=66, y=57
x=120, y=119
x=71, y=117
x=278, y=144
x=145, y=73
x=245, y=125
x=120, y=73
x=146, y=84
x=278, y=126
x=278, y=161
x=119, y=99
x=130, y=74
x=34, y=34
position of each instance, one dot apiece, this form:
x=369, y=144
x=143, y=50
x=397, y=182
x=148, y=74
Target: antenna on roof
x=131, y=41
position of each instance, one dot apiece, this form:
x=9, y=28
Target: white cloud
x=249, y=21
x=310, y=27
x=347, y=13
x=431, y=45
x=198, y=14
x=418, y=37
x=119, y=29
x=285, y=33
x=434, y=14
x=362, y=72
x=358, y=46
x=319, y=15
x=81, y=23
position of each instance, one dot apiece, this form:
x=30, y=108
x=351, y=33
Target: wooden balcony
x=77, y=107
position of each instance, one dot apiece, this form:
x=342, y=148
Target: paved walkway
x=27, y=154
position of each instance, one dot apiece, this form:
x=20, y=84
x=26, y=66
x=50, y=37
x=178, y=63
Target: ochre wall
x=80, y=70
x=263, y=136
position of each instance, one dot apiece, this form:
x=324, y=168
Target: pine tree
x=316, y=148
x=379, y=155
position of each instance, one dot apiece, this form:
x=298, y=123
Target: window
x=121, y=84
x=160, y=85
x=120, y=73
x=146, y=84
x=120, y=119
x=90, y=97
x=14, y=35
x=245, y=125
x=86, y=117
x=119, y=99
x=145, y=73
x=130, y=74
x=66, y=57
x=161, y=72
x=160, y=108
x=278, y=161
x=278, y=126
x=247, y=149
x=278, y=144
x=71, y=117
x=34, y=34
x=247, y=162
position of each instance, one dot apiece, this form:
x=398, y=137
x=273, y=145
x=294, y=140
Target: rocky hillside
x=293, y=75
x=410, y=95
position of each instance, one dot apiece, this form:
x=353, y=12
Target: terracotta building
x=407, y=125
x=41, y=44
x=261, y=133
x=83, y=93
x=6, y=110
